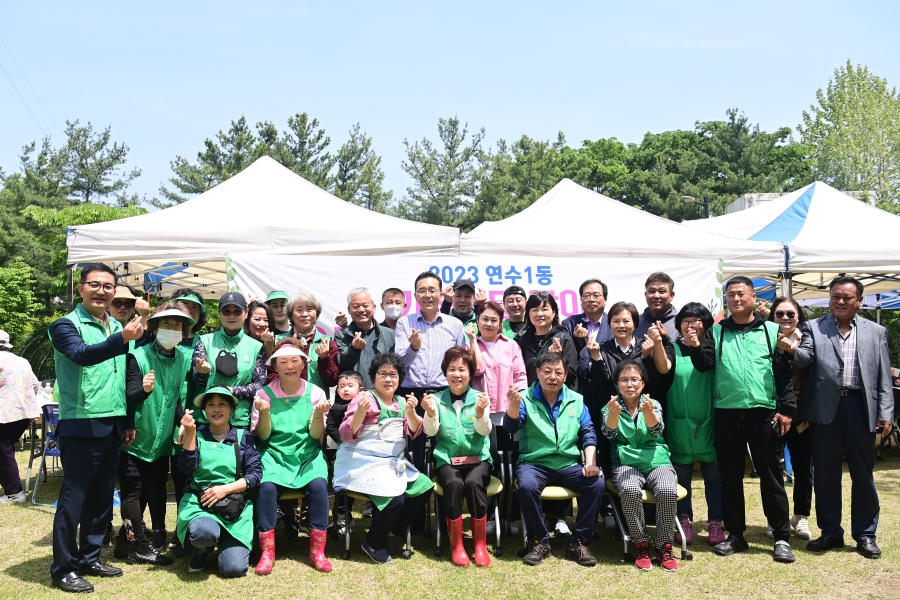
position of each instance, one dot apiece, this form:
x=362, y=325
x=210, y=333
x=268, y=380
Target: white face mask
x=169, y=338
x=393, y=311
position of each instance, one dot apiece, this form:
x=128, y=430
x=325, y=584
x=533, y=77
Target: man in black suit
x=848, y=398
x=89, y=353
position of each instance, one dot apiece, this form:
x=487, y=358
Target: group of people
x=239, y=417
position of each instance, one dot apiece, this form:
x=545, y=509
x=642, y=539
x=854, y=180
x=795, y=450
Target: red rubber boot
x=267, y=558
x=457, y=550
x=479, y=535
x=317, y=539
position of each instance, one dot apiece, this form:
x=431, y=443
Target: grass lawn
x=26, y=553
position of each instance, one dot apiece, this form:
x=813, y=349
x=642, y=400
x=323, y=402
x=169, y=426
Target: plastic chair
x=50, y=413
x=647, y=498
x=494, y=488
x=551, y=492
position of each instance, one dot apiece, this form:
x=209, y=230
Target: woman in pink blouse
x=499, y=364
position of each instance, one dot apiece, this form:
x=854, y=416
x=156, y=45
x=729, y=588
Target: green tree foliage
x=70, y=181
x=446, y=176
x=354, y=173
x=358, y=177
x=18, y=305
x=853, y=132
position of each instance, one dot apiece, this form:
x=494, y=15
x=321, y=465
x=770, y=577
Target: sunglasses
x=125, y=303
x=782, y=314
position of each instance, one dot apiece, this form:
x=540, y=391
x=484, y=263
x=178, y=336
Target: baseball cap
x=277, y=295
x=464, y=283
x=233, y=299
x=514, y=290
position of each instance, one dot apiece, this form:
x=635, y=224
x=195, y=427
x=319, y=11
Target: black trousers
x=140, y=482
x=394, y=518
x=85, y=500
x=9, y=468
x=465, y=483
x=735, y=430
x=800, y=447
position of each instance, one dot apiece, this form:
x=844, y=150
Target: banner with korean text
x=329, y=278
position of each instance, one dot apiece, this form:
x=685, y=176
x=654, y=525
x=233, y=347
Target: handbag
x=226, y=363
x=229, y=508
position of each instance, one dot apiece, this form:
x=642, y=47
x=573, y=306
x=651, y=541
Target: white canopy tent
x=570, y=220
x=264, y=208
x=826, y=232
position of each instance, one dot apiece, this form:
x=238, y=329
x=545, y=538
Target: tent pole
x=70, y=281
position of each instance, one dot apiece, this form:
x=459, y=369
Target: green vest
x=508, y=330
x=154, y=419
x=90, y=392
x=246, y=349
x=635, y=446
x=290, y=456
x=188, y=389
x=217, y=466
x=744, y=374
x=312, y=367
x=541, y=442
x=689, y=412
x=456, y=435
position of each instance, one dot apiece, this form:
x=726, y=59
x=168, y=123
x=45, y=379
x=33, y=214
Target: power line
x=29, y=85
x=22, y=99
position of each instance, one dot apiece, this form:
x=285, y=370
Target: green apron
x=188, y=389
x=415, y=488
x=291, y=457
x=217, y=467
x=154, y=419
x=689, y=412
x=312, y=367
x=246, y=350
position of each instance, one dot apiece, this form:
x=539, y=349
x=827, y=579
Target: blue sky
x=167, y=75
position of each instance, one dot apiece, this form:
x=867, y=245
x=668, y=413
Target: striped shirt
x=423, y=367
x=850, y=377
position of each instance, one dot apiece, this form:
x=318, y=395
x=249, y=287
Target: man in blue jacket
x=89, y=353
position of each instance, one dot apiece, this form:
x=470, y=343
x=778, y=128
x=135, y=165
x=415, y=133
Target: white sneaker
x=770, y=532
x=562, y=528
x=801, y=527
x=609, y=522
x=15, y=498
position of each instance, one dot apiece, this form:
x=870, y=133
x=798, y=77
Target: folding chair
x=647, y=498
x=551, y=492
x=406, y=554
x=50, y=413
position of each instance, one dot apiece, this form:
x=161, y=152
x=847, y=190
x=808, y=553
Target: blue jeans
x=316, y=492
x=532, y=481
x=234, y=558
x=712, y=483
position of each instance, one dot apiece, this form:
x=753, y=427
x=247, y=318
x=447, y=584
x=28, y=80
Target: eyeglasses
x=427, y=291
x=594, y=296
x=843, y=298
x=692, y=322
x=123, y=303
x=386, y=375
x=96, y=285
x=785, y=313
x=632, y=380
x=233, y=312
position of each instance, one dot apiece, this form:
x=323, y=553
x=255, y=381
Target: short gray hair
x=302, y=298
x=357, y=292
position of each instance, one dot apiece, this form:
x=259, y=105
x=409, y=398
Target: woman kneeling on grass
x=223, y=463
x=634, y=426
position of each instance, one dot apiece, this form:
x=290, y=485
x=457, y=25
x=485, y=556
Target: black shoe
x=122, y=545
x=198, y=562
x=868, y=548
x=783, y=552
x=732, y=544
x=143, y=553
x=98, y=569
x=537, y=554
x=179, y=551
x=158, y=538
x=578, y=552
x=73, y=583
x=824, y=543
